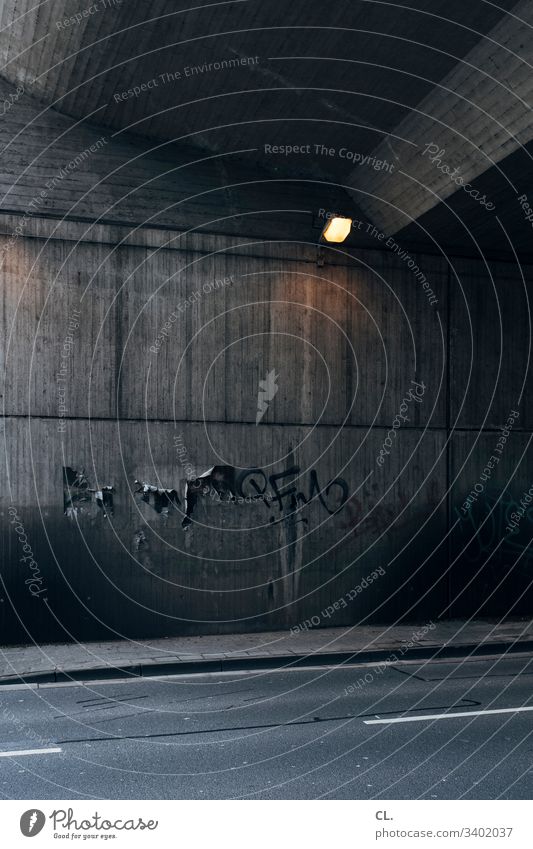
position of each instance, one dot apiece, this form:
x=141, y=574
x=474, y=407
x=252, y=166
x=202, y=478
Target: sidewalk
x=269, y=649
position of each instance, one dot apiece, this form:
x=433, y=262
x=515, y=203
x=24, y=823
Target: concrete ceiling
x=366, y=76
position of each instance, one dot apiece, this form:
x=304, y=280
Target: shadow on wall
x=122, y=566
x=492, y=557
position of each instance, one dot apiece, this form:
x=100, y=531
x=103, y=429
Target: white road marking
x=444, y=715
x=29, y=752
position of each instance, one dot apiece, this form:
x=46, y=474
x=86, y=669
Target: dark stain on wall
x=78, y=495
x=163, y=501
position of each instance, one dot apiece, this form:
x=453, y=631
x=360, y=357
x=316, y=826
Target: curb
x=228, y=664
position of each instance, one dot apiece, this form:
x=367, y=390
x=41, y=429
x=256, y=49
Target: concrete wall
x=136, y=354
x=347, y=340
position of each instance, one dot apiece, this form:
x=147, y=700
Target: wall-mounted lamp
x=337, y=229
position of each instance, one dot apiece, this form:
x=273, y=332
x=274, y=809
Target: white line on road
x=29, y=752
x=444, y=715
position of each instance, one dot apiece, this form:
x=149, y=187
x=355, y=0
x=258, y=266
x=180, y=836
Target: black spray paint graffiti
x=78, y=495
x=221, y=483
x=249, y=485
x=289, y=498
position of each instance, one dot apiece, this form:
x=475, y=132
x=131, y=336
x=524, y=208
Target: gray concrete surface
x=402, y=640
x=131, y=237
x=299, y=734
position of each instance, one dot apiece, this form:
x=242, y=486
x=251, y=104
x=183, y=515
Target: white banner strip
x=264, y=824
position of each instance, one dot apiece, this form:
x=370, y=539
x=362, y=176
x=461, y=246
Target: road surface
x=351, y=732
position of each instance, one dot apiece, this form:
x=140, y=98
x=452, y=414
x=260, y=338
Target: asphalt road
x=296, y=734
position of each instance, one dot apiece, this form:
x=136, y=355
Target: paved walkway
x=51, y=662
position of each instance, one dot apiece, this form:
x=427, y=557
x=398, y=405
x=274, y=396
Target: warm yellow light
x=337, y=229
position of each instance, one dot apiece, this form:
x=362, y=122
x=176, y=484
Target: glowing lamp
x=337, y=229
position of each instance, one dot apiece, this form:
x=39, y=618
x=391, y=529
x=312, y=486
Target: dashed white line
x=29, y=752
